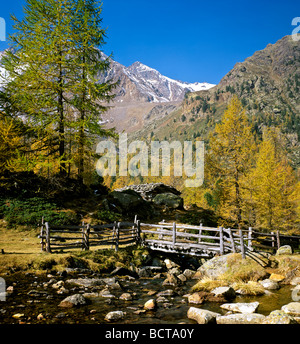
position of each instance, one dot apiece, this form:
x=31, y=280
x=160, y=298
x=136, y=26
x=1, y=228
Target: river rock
x=227, y=292
x=120, y=271
x=286, y=249
x=167, y=292
x=150, y=305
x=18, y=315
x=215, y=267
x=58, y=284
x=241, y=307
x=292, y=308
x=172, y=280
x=276, y=277
x=107, y=294
x=87, y=282
x=240, y=318
x=182, y=278
x=189, y=274
x=279, y=317
x=126, y=297
x=175, y=271
x=269, y=284
x=170, y=264
x=161, y=299
x=295, y=281
x=196, y=298
x=147, y=271
x=202, y=316
x=114, y=316
x=73, y=301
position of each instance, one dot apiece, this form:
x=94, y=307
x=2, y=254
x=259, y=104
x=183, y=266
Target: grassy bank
x=22, y=252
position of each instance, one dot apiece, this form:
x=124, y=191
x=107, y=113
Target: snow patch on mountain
x=159, y=87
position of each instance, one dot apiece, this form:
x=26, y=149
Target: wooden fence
x=167, y=237
x=85, y=236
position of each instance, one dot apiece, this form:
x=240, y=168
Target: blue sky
x=191, y=40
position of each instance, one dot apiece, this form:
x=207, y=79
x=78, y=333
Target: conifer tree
x=274, y=183
x=230, y=156
x=52, y=75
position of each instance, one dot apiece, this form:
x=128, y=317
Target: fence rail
x=167, y=237
x=85, y=236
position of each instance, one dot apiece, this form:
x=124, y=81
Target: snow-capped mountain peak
x=159, y=87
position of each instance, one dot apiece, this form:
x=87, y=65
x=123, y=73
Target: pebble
x=40, y=317
x=150, y=305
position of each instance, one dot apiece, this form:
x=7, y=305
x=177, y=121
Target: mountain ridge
x=268, y=84
x=145, y=83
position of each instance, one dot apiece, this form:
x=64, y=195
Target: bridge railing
x=168, y=237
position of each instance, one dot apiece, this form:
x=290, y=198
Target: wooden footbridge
x=175, y=238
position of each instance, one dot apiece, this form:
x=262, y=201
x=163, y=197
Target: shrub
x=107, y=216
x=29, y=212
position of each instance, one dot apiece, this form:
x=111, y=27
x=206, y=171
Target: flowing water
x=32, y=297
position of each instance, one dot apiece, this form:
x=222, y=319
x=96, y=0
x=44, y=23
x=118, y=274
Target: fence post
x=242, y=244
x=86, y=237
x=42, y=235
x=278, y=239
x=221, y=241
x=174, y=233
x=117, y=236
x=273, y=239
x=250, y=237
x=48, y=246
x=231, y=240
x=200, y=233
x=134, y=227
x=113, y=234
x=138, y=232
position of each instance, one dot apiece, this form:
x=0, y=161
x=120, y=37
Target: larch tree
x=52, y=70
x=88, y=93
x=229, y=159
x=274, y=187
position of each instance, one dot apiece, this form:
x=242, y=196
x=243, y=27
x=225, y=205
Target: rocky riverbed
x=160, y=293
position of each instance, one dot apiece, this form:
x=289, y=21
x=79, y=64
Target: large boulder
x=241, y=307
x=279, y=317
x=127, y=199
x=292, y=308
x=150, y=190
x=169, y=199
x=269, y=284
x=240, y=318
x=202, y=316
x=215, y=267
x=128, y=203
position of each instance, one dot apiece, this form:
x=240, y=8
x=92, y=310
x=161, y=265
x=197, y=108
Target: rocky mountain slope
x=268, y=84
x=143, y=94
x=139, y=82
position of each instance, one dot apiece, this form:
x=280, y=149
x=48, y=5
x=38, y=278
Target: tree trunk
x=61, y=129
x=81, y=129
